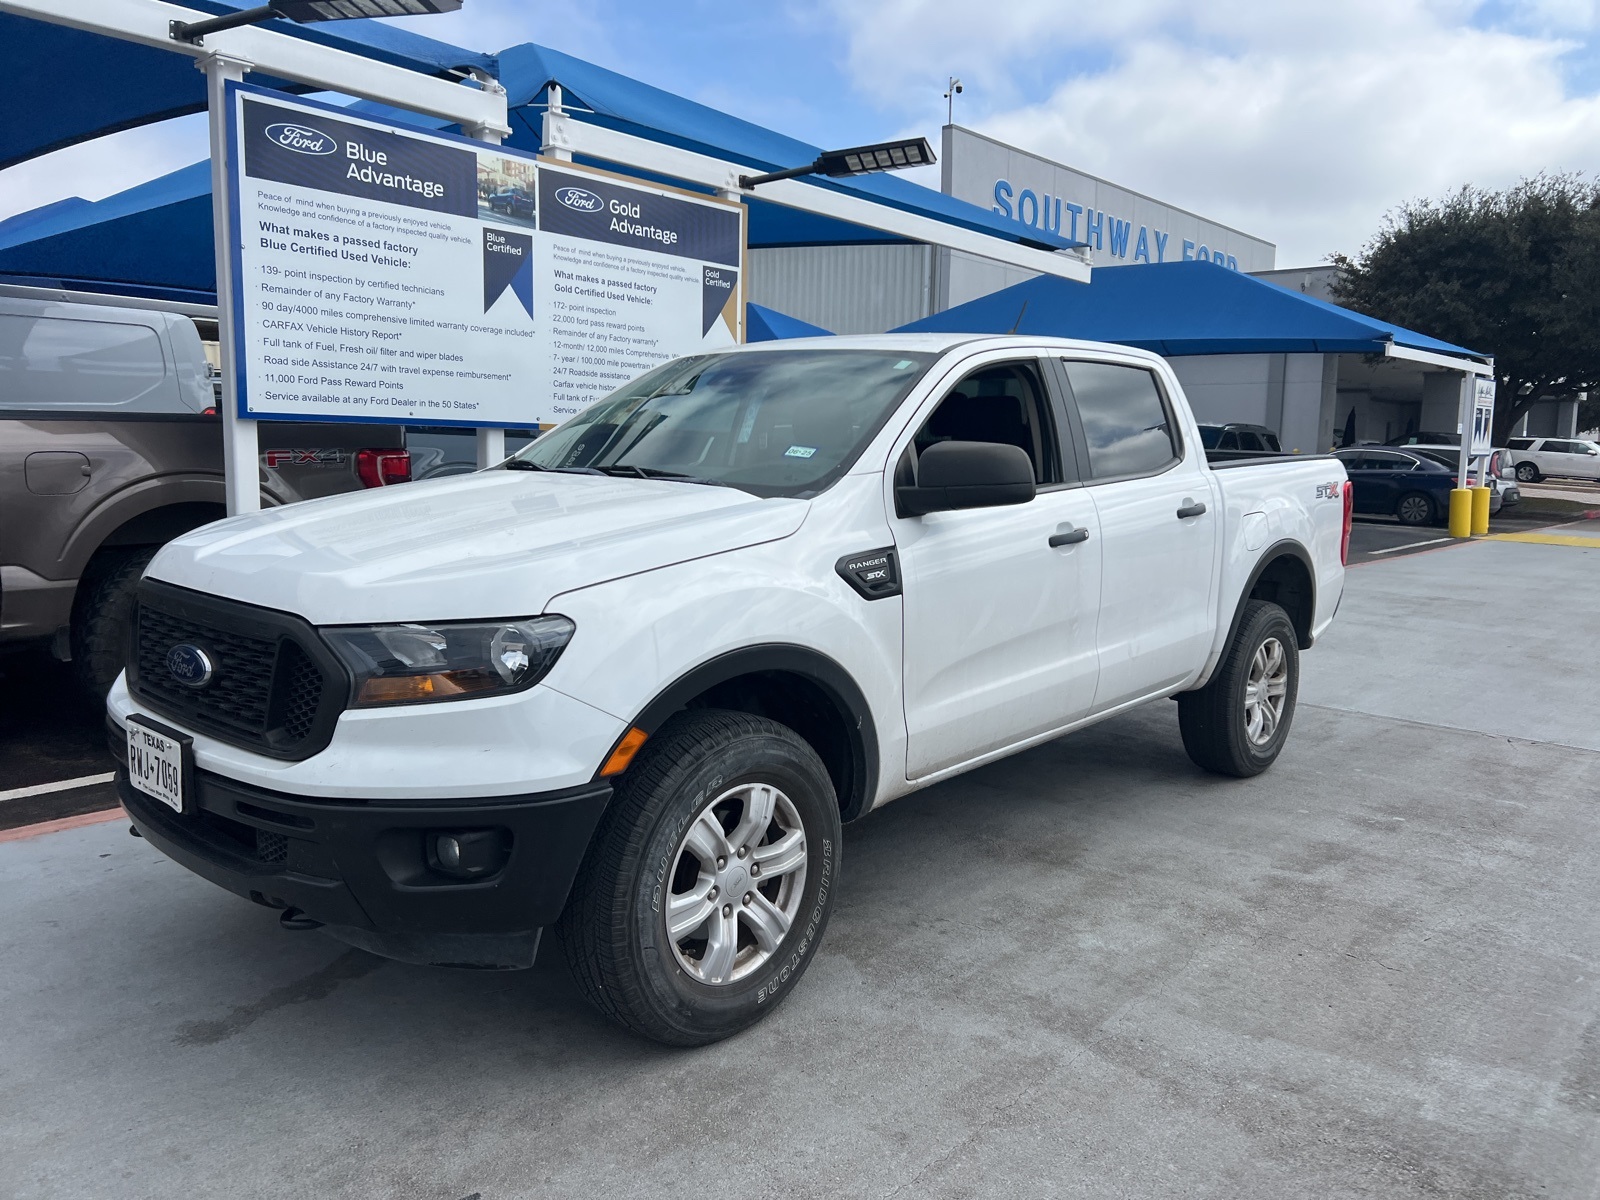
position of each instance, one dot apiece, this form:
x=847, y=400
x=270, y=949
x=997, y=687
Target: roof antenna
x=1020, y=313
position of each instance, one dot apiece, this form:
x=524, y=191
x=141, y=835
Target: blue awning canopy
x=1179, y=309
x=762, y=324
x=63, y=85
x=157, y=236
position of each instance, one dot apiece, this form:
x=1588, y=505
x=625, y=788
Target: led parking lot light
x=304, y=12
x=857, y=160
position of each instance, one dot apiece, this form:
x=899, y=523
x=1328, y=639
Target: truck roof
x=938, y=343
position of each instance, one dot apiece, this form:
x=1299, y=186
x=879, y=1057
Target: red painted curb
x=23, y=832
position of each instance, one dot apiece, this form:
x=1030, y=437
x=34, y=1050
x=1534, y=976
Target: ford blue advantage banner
x=355, y=160
x=386, y=272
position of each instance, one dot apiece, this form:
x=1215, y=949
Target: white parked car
x=632, y=682
x=1497, y=471
x=1560, y=457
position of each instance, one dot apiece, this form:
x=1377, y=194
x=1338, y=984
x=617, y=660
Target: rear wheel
x=1414, y=508
x=1237, y=724
x=102, y=617
x=1528, y=473
x=709, y=882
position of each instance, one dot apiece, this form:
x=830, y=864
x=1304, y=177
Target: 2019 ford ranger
x=631, y=682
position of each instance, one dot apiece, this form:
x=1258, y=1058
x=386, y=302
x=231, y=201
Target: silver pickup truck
x=111, y=446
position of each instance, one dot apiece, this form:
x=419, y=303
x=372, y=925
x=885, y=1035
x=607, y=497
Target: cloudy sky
x=1302, y=123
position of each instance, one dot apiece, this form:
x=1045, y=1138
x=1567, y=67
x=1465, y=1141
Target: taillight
x=1349, y=510
x=379, y=468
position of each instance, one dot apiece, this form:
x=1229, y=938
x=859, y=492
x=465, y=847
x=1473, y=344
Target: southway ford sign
x=1119, y=226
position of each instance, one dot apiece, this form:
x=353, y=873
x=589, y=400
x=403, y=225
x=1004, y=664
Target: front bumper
x=361, y=867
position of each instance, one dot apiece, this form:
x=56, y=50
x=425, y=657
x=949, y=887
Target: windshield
x=773, y=422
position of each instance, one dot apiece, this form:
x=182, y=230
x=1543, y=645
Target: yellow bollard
x=1480, y=511
x=1461, y=512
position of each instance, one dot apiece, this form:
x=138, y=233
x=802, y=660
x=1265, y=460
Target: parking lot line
x=23, y=832
x=1411, y=546
x=1548, y=539
x=60, y=785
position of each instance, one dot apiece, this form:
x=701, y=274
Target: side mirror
x=953, y=475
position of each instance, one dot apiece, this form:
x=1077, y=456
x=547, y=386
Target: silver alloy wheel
x=737, y=881
x=1415, y=510
x=1266, y=691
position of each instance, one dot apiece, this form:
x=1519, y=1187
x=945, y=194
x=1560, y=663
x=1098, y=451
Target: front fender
x=644, y=639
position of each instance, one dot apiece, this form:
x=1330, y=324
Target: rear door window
x=1127, y=426
x=65, y=363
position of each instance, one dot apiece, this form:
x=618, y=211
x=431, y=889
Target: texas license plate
x=156, y=762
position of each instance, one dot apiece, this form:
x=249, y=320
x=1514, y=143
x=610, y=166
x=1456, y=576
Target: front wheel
x=1414, y=508
x=1237, y=724
x=709, y=882
x=1528, y=473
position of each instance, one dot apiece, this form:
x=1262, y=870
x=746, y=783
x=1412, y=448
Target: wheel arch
x=798, y=687
x=1284, y=575
x=138, y=514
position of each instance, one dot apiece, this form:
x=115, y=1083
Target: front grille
x=236, y=700
x=301, y=692
x=271, y=847
x=268, y=690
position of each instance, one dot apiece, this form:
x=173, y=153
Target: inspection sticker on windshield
x=903, y=364
x=799, y=451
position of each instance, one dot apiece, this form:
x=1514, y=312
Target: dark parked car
x=512, y=202
x=1425, y=437
x=1238, y=436
x=1400, y=483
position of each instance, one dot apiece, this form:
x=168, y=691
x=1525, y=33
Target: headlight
x=409, y=664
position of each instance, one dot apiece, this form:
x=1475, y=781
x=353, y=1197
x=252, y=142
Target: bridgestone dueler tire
x=102, y=617
x=613, y=931
x=1212, y=719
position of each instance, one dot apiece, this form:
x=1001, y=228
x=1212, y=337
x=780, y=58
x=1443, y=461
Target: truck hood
x=490, y=544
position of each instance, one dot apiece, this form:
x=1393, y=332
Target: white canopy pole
x=241, y=456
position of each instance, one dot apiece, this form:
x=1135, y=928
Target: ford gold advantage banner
x=386, y=273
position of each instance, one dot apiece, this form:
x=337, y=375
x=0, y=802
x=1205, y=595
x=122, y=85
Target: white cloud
x=1300, y=123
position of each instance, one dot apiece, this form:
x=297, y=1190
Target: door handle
x=1191, y=510
x=1071, y=538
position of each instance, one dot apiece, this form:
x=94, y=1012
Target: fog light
x=469, y=853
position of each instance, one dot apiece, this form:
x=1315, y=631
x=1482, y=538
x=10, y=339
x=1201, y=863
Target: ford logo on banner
x=190, y=665
x=302, y=139
x=579, y=199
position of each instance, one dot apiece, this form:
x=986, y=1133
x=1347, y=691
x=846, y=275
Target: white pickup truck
x=631, y=682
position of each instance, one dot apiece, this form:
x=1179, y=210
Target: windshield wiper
x=527, y=464
x=639, y=472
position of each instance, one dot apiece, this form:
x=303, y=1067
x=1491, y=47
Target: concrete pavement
x=1090, y=970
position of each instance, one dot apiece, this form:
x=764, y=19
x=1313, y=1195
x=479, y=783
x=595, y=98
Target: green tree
x=1514, y=274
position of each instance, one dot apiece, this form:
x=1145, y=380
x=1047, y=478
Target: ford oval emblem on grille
x=190, y=665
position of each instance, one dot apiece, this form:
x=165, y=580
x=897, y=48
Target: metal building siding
x=846, y=289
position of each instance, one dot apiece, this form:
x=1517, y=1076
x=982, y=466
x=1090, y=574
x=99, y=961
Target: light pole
x=952, y=90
